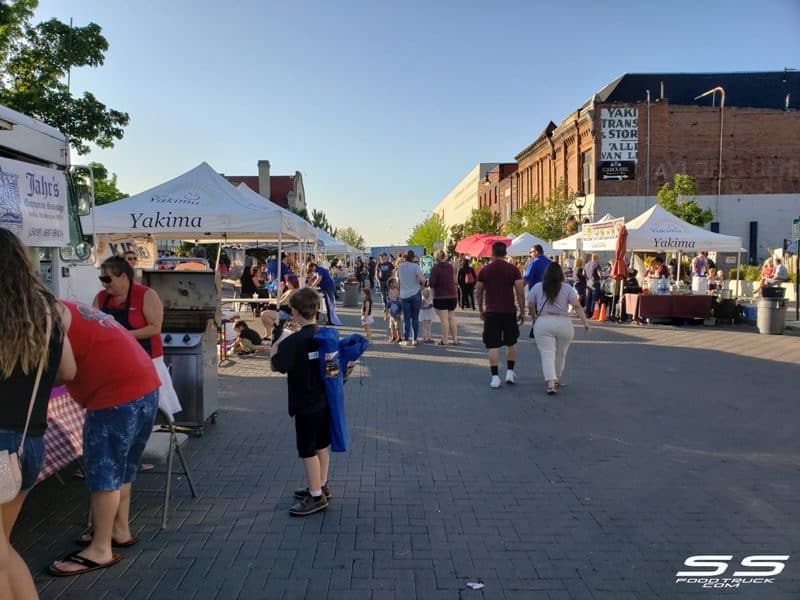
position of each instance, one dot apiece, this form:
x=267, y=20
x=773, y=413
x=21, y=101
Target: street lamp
x=721, y=90
x=579, y=200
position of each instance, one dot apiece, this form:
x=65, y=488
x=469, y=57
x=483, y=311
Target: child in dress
x=394, y=310
x=366, y=312
x=426, y=313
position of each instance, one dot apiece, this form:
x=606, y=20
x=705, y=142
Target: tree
x=545, y=220
x=456, y=235
x=105, y=189
x=348, y=235
x=678, y=199
x=34, y=64
x=320, y=221
x=482, y=220
x=428, y=232
x=301, y=212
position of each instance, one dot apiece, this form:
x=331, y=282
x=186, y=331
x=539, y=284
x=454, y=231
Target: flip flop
x=89, y=565
x=86, y=539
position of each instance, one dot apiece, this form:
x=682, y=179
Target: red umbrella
x=480, y=244
x=620, y=269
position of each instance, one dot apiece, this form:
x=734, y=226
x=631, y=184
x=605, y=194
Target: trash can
x=350, y=293
x=771, y=317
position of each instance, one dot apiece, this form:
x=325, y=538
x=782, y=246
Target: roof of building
x=250, y=181
x=545, y=133
x=766, y=89
x=279, y=186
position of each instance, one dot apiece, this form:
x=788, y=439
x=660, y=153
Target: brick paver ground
x=668, y=442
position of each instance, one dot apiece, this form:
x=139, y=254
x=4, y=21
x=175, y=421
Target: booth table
x=644, y=306
x=63, y=439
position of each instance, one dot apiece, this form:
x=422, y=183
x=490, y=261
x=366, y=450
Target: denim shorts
x=32, y=458
x=114, y=440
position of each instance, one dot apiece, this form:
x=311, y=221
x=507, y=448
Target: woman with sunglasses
x=138, y=309
x=134, y=306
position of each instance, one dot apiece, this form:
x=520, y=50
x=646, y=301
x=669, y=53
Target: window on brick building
x=586, y=161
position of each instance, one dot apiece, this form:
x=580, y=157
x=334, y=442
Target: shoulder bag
x=10, y=470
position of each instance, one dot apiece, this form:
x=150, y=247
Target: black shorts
x=500, y=329
x=445, y=303
x=313, y=432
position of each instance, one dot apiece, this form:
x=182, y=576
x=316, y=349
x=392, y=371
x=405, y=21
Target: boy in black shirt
x=298, y=357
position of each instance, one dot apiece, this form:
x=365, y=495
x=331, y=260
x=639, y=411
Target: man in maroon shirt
x=497, y=283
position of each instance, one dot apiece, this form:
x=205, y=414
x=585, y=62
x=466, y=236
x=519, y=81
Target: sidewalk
x=667, y=442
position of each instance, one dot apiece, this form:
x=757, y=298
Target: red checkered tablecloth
x=63, y=440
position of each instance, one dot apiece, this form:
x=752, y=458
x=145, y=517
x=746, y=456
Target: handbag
x=10, y=466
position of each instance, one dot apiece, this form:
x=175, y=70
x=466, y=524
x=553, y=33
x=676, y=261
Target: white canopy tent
x=522, y=244
x=573, y=242
x=658, y=230
x=199, y=205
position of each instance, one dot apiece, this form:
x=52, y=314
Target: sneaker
x=304, y=493
x=495, y=383
x=510, y=377
x=308, y=506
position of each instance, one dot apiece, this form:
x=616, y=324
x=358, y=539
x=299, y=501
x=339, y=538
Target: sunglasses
x=131, y=258
x=105, y=278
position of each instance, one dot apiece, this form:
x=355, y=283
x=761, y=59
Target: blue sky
x=382, y=105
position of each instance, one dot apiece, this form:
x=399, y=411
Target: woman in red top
x=138, y=309
x=117, y=384
x=134, y=306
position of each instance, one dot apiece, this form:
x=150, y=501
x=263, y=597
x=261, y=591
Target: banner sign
x=601, y=236
x=33, y=203
x=109, y=245
x=619, y=128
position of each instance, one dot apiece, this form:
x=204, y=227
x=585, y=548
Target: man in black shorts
x=298, y=357
x=498, y=282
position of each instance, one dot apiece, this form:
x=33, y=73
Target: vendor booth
x=659, y=231
x=522, y=244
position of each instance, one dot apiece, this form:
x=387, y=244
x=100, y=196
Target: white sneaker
x=510, y=377
x=495, y=382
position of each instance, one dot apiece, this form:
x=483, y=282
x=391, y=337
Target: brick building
x=497, y=190
x=636, y=133
x=284, y=190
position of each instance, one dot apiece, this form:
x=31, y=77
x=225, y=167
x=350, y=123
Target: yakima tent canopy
x=198, y=205
x=294, y=226
x=522, y=244
x=657, y=230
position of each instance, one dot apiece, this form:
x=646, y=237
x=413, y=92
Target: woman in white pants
x=548, y=303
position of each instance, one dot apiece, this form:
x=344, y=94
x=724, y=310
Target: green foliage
x=482, y=220
x=34, y=64
x=746, y=273
x=545, y=220
x=456, y=235
x=349, y=235
x=320, y=221
x=105, y=188
x=428, y=232
x=678, y=198
x=302, y=213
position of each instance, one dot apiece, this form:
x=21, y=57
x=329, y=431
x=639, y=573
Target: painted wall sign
x=619, y=128
x=33, y=203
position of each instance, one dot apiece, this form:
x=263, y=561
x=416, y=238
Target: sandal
x=89, y=565
x=551, y=390
x=440, y=343
x=86, y=539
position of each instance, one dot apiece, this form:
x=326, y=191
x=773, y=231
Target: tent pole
x=219, y=253
x=738, y=274
x=280, y=262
